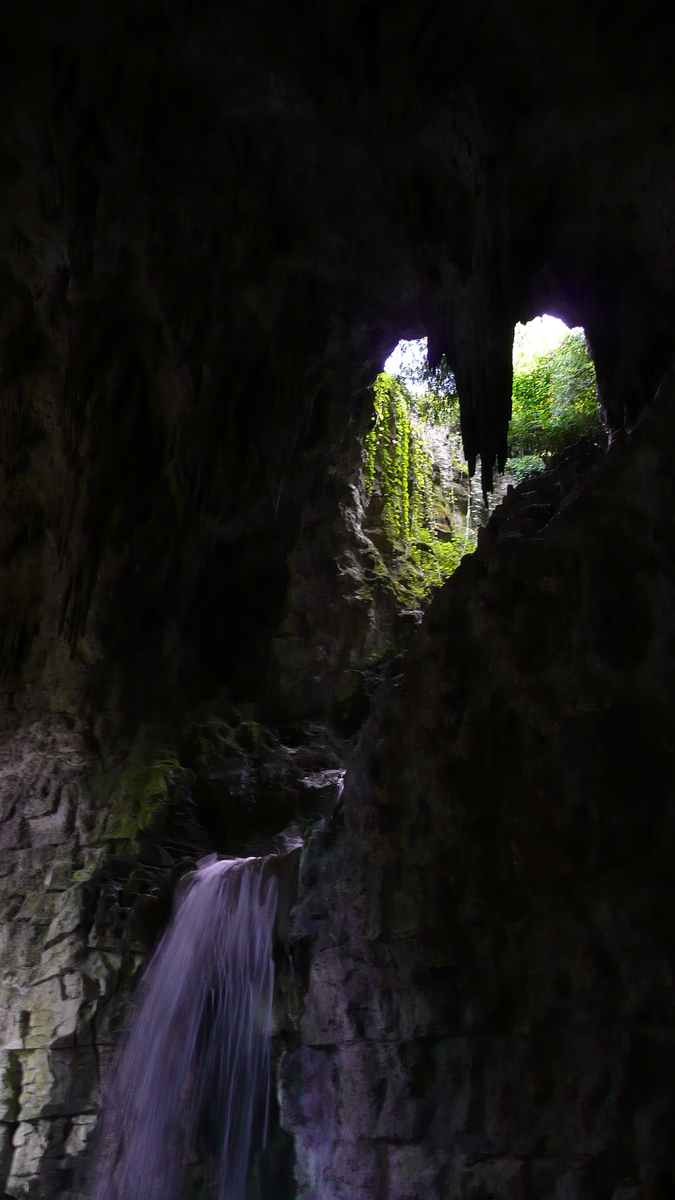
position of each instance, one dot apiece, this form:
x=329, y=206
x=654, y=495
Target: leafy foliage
x=397, y=455
x=526, y=465
x=554, y=402
x=399, y=474
x=435, y=400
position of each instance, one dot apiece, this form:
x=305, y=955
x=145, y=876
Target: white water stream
x=195, y=1065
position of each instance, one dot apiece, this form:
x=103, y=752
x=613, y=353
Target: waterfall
x=196, y=1061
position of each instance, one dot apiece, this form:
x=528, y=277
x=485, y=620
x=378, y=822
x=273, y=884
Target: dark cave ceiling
x=215, y=221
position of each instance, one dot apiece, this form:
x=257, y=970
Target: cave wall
x=90, y=863
x=215, y=223
x=487, y=918
x=83, y=901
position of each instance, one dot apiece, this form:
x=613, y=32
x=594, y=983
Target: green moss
x=133, y=794
x=412, y=571
x=248, y=736
x=211, y=737
x=410, y=560
x=392, y=455
x=206, y=738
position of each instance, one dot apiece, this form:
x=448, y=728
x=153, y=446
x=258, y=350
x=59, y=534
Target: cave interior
x=217, y=220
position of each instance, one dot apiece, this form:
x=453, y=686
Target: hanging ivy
x=398, y=460
x=399, y=473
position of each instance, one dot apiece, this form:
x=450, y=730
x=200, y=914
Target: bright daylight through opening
x=423, y=508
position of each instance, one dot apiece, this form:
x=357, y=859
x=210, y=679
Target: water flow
x=196, y=1062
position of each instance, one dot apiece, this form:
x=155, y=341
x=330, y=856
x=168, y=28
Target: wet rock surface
x=80, y=914
x=215, y=223
x=475, y=988
x=87, y=882
x=487, y=918
x=249, y=782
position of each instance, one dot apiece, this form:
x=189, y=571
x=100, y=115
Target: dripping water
x=196, y=1061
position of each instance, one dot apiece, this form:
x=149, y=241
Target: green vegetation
x=134, y=794
x=212, y=738
x=138, y=795
x=524, y=466
x=410, y=558
x=420, y=513
x=437, y=403
x=554, y=404
x=396, y=453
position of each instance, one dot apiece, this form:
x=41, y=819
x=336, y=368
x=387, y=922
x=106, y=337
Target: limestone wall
x=74, y=933
x=488, y=921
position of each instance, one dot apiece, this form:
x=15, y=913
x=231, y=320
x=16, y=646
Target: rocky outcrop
x=345, y=616
x=52, y=982
x=215, y=225
x=215, y=222
x=89, y=863
x=487, y=918
x=342, y=621
x=81, y=909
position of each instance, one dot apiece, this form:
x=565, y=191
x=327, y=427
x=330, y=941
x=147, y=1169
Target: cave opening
x=423, y=507
x=223, y=555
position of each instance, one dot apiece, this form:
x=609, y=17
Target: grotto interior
x=216, y=221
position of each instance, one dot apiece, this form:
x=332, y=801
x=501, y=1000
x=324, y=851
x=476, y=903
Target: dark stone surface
x=215, y=222
x=488, y=918
x=87, y=881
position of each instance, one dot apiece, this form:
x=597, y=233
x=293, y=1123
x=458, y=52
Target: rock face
x=80, y=915
x=488, y=917
x=86, y=886
x=53, y=981
x=215, y=223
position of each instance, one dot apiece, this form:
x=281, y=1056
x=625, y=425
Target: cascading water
x=196, y=1062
